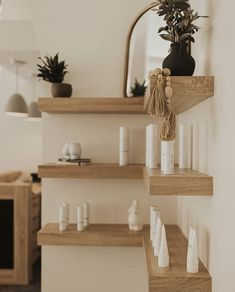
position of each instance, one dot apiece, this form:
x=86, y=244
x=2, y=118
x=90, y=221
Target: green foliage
x=51, y=69
x=179, y=18
x=138, y=89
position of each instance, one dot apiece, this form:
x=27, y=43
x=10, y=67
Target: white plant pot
x=75, y=150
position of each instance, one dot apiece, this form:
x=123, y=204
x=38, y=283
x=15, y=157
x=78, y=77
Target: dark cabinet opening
x=6, y=234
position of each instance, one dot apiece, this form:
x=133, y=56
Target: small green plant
x=51, y=69
x=179, y=18
x=138, y=89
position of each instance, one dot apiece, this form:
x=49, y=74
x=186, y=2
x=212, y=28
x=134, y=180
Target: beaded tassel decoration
x=160, y=100
x=169, y=123
x=156, y=104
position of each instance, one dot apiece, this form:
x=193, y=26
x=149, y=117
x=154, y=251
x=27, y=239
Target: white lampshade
x=16, y=106
x=33, y=113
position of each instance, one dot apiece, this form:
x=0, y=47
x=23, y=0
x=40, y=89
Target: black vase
x=179, y=61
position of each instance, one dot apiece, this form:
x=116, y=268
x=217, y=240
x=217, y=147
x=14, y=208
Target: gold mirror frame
x=126, y=68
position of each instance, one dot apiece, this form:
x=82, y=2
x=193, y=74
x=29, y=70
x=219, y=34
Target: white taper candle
x=123, y=146
x=80, y=218
x=153, y=143
x=86, y=214
x=182, y=147
x=62, y=218
x=169, y=158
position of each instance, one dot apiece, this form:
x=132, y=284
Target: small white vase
x=65, y=151
x=134, y=218
x=75, y=150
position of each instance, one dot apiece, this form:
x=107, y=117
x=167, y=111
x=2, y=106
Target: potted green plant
x=179, y=30
x=139, y=88
x=53, y=70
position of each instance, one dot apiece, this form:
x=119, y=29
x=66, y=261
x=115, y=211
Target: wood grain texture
x=95, y=105
x=21, y=194
x=182, y=182
x=187, y=92
x=94, y=235
x=9, y=176
x=175, y=277
x=53, y=170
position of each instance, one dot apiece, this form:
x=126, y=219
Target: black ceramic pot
x=61, y=90
x=179, y=61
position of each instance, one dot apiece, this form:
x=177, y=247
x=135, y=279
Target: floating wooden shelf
x=187, y=92
x=53, y=170
x=92, y=105
x=94, y=235
x=174, y=278
x=182, y=182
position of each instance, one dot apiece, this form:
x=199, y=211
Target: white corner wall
x=214, y=217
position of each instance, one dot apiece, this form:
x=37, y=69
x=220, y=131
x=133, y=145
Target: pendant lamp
x=34, y=114
x=16, y=105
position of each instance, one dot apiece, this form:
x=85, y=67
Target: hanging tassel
x=161, y=102
x=169, y=127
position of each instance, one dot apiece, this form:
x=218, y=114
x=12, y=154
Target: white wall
x=20, y=143
x=92, y=39
x=214, y=218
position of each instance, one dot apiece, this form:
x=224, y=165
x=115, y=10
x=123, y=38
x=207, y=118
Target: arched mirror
x=145, y=50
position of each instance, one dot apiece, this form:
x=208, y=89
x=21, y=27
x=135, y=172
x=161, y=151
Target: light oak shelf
x=187, y=92
x=94, y=235
x=53, y=170
x=182, y=182
x=174, y=278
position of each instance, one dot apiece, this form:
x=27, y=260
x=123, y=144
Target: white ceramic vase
x=75, y=150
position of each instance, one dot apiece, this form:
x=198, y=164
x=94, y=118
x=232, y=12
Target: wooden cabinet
x=19, y=223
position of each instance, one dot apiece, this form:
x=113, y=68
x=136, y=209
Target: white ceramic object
x=162, y=155
x=192, y=254
x=66, y=205
x=157, y=239
x=163, y=256
x=123, y=146
x=153, y=146
x=86, y=214
x=183, y=148
x=169, y=158
x=189, y=147
x=62, y=218
x=80, y=218
x=135, y=221
x=147, y=146
x=156, y=214
x=75, y=150
x=65, y=151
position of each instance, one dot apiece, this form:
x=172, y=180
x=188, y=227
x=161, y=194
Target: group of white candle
x=167, y=149
x=160, y=247
x=124, y=146
x=83, y=216
x=158, y=238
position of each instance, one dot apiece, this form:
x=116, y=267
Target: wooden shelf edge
x=188, y=91
x=92, y=105
x=185, y=182
x=94, y=235
x=176, y=275
x=93, y=171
